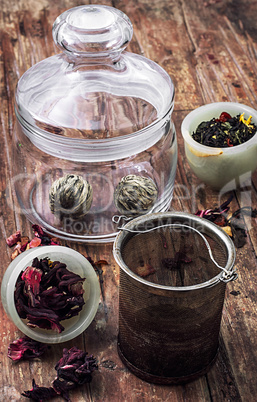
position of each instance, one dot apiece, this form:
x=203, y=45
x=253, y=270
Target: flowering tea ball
x=135, y=194
x=70, y=195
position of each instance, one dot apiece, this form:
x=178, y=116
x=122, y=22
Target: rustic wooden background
x=209, y=48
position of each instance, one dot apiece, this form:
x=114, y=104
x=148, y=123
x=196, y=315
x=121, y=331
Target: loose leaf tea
x=26, y=348
x=73, y=369
x=47, y=293
x=226, y=131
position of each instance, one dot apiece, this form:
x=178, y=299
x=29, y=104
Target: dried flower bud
x=135, y=194
x=70, y=195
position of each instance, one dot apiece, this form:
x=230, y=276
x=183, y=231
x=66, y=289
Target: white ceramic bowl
x=220, y=168
x=75, y=262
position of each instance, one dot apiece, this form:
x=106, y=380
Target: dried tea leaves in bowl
x=47, y=293
x=226, y=131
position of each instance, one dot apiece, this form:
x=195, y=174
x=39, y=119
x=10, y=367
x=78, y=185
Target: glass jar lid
x=93, y=95
x=94, y=30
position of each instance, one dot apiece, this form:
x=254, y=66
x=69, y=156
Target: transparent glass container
x=86, y=119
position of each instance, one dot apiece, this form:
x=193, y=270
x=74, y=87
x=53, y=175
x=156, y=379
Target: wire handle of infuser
x=118, y=218
x=227, y=275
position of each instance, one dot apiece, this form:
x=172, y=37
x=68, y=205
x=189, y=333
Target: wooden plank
x=164, y=39
x=224, y=52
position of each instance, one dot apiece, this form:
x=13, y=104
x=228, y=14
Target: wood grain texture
x=209, y=48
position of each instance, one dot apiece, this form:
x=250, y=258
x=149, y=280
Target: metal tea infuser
x=174, y=270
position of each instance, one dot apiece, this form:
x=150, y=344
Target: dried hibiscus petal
x=47, y=293
x=24, y=247
x=14, y=238
x=23, y=243
x=43, y=318
x=45, y=238
x=215, y=213
x=40, y=394
x=32, y=277
x=73, y=369
x=25, y=348
x=230, y=224
x=38, y=231
x=35, y=242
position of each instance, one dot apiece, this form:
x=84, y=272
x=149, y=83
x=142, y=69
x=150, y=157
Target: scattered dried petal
x=23, y=243
x=35, y=242
x=38, y=231
x=15, y=254
x=24, y=240
x=14, y=238
x=235, y=292
x=40, y=394
x=25, y=348
x=216, y=213
x=228, y=230
x=232, y=226
x=45, y=238
x=24, y=247
x=238, y=234
x=73, y=369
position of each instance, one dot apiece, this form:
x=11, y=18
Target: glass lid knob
x=95, y=30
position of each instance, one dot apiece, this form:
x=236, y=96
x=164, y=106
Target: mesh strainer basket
x=174, y=269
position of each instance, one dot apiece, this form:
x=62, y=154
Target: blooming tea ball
x=135, y=194
x=70, y=195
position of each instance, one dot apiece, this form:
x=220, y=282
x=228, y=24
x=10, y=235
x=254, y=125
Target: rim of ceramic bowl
x=196, y=116
x=62, y=253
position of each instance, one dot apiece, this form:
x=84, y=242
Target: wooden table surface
x=209, y=48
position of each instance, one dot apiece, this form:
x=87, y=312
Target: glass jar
x=93, y=128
